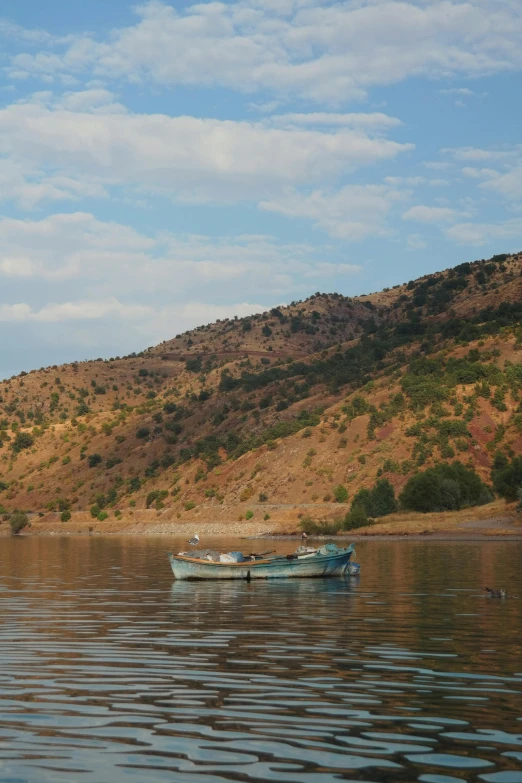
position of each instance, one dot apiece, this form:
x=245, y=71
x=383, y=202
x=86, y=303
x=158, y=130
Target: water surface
x=111, y=672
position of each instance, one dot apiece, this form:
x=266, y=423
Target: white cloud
x=437, y=165
x=79, y=250
x=30, y=186
x=81, y=310
x=353, y=212
x=328, y=52
x=67, y=246
x=475, y=173
x=485, y=233
x=424, y=214
x=373, y=121
x=416, y=242
x=171, y=320
x=464, y=91
x=477, y=154
x=186, y=158
x=508, y=184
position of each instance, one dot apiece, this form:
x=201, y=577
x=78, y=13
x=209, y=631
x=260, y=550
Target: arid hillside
x=249, y=417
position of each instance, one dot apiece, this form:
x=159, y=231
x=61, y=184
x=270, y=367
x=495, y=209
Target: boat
x=327, y=560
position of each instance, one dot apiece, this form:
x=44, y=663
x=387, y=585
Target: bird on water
x=303, y=537
x=194, y=541
x=495, y=593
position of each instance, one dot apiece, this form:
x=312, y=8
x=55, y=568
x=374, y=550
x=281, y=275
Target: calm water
x=110, y=672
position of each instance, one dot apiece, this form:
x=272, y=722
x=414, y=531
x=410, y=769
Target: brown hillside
x=255, y=414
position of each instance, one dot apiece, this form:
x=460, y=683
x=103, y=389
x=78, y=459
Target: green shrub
x=340, y=494
x=249, y=515
x=453, y=428
x=383, y=500
x=18, y=522
x=519, y=498
x=142, y=433
x=506, y=475
x=356, y=517
x=102, y=516
x=156, y=496
x=378, y=501
x=444, y=487
x=320, y=527
x=94, y=460
x=23, y=440
x=189, y=505
x=65, y=515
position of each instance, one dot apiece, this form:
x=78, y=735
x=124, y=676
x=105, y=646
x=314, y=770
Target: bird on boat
x=194, y=541
x=495, y=593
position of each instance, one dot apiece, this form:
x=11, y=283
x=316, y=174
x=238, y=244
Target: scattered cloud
x=81, y=310
x=353, y=212
x=416, y=242
x=508, y=184
x=71, y=248
x=185, y=158
x=373, y=121
x=464, y=91
x=424, y=214
x=317, y=51
x=477, y=154
x=485, y=233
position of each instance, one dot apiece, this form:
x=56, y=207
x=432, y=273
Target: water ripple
x=110, y=672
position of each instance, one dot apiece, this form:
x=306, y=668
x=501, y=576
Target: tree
x=445, y=487
x=356, y=517
x=65, y=515
x=94, y=459
x=18, y=522
x=506, y=475
x=340, y=494
x=23, y=440
x=519, y=498
x=383, y=500
x=378, y=501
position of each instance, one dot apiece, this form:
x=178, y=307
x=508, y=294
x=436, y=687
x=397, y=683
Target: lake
x=111, y=672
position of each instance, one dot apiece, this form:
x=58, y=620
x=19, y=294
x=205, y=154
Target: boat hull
x=276, y=568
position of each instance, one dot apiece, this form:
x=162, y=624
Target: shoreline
x=180, y=531
x=498, y=520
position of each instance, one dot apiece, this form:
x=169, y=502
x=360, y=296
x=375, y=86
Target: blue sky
x=167, y=164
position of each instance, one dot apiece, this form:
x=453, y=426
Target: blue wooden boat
x=328, y=560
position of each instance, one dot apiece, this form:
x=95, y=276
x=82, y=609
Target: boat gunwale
x=254, y=563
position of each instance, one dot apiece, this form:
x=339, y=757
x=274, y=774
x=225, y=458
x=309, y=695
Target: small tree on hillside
x=341, y=494
x=18, y=522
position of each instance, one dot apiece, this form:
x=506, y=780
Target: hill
x=269, y=415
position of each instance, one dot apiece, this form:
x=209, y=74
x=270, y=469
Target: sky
x=167, y=164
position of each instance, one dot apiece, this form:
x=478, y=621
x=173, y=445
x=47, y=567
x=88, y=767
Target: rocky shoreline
x=81, y=524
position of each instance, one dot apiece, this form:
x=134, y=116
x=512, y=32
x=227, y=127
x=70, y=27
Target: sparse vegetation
x=354, y=392
x=18, y=522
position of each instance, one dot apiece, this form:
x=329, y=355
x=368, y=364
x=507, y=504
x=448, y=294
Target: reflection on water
x=109, y=671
